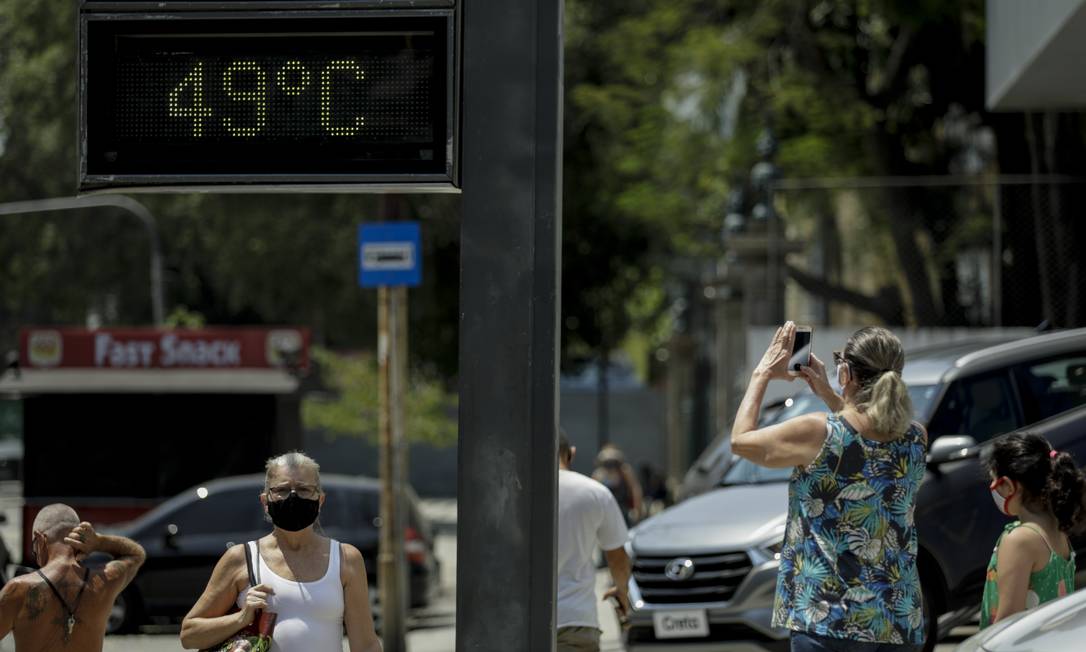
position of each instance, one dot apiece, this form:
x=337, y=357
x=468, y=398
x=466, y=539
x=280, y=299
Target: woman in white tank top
x=316, y=586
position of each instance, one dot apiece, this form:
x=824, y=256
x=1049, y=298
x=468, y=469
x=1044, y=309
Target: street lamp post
x=133, y=207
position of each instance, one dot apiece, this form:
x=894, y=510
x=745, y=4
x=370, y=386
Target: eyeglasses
x=838, y=357
x=304, y=491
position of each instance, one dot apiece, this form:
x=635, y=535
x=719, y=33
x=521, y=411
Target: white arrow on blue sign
x=389, y=254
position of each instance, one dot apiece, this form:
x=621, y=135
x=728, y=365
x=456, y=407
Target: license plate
x=690, y=623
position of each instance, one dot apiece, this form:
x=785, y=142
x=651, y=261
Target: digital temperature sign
x=281, y=98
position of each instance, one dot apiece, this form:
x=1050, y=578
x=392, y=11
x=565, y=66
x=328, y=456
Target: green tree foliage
x=350, y=406
x=37, y=98
x=666, y=101
x=51, y=267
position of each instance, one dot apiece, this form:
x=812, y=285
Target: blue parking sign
x=389, y=254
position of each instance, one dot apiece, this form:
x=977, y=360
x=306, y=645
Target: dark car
x=185, y=537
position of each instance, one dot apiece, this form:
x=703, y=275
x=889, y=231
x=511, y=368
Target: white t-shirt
x=588, y=519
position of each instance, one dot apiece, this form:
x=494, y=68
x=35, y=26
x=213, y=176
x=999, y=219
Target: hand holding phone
x=802, y=345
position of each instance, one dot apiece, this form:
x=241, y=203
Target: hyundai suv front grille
x=690, y=578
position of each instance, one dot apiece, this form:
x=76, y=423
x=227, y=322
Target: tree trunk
x=898, y=206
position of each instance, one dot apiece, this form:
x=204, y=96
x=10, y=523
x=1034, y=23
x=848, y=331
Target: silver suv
x=705, y=570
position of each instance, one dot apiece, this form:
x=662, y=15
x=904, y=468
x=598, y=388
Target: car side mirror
x=951, y=448
x=171, y=536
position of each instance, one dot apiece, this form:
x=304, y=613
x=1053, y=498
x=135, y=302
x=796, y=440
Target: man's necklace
x=69, y=610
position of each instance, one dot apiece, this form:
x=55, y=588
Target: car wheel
x=124, y=616
x=375, y=608
x=931, y=617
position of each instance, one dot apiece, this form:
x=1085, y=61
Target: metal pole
x=509, y=298
x=158, y=312
x=603, y=390
x=389, y=424
x=997, y=255
x=399, y=447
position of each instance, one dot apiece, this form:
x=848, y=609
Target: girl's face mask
x=999, y=499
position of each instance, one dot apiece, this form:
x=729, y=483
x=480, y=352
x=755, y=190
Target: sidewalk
x=441, y=512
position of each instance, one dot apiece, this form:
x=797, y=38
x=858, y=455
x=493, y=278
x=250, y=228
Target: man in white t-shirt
x=588, y=519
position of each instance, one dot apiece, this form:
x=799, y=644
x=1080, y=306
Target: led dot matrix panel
x=297, y=97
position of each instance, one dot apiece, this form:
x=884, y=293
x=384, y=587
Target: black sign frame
x=445, y=180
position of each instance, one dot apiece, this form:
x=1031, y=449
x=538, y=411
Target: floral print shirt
x=848, y=564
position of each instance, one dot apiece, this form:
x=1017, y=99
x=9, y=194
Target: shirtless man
x=65, y=605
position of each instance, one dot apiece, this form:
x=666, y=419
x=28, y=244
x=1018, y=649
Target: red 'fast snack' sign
x=149, y=348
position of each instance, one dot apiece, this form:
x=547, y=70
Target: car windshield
x=746, y=472
x=923, y=396
x=803, y=403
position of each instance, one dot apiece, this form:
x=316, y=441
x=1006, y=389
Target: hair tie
x=1053, y=453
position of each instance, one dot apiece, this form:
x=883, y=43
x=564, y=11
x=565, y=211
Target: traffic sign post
x=390, y=259
x=388, y=254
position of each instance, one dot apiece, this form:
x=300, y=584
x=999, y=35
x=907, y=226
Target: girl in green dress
x=1033, y=561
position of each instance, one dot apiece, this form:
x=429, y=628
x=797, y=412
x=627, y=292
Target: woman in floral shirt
x=848, y=579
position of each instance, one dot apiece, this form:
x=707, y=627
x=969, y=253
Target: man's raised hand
x=83, y=538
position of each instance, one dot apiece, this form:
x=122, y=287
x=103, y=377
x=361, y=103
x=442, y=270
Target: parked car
x=966, y=394
x=11, y=460
x=1056, y=625
x=708, y=470
x=185, y=537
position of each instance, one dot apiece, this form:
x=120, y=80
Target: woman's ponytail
x=888, y=405
x=1065, y=492
x=875, y=360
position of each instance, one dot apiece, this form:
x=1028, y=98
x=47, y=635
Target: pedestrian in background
x=848, y=578
x=1033, y=561
x=65, y=605
x=317, y=586
x=656, y=498
x=588, y=519
x=613, y=472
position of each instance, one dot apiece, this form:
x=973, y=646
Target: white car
x=1058, y=625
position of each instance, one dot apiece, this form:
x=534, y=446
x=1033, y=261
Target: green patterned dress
x=1053, y=581
x=848, y=564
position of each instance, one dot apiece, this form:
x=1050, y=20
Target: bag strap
x=254, y=576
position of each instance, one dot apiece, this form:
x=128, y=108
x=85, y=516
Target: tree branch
x=877, y=86
x=886, y=304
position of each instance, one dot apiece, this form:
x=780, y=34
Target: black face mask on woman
x=293, y=513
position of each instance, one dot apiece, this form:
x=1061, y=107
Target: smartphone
x=623, y=617
x=801, y=349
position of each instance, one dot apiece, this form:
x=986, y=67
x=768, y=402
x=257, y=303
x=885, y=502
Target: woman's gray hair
x=291, y=460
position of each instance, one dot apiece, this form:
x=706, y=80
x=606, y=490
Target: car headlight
x=771, y=550
x=773, y=539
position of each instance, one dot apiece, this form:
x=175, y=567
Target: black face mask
x=293, y=513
